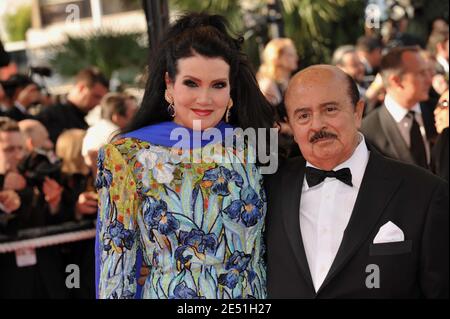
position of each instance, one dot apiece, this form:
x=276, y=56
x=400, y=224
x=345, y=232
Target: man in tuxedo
x=402, y=128
x=343, y=221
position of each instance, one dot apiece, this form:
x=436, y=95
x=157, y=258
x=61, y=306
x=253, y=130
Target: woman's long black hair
x=206, y=35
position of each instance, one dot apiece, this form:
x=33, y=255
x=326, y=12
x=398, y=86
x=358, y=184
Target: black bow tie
x=316, y=176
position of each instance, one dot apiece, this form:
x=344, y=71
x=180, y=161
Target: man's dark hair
x=368, y=44
x=90, y=77
x=113, y=103
x=14, y=82
x=392, y=63
x=353, y=91
x=8, y=125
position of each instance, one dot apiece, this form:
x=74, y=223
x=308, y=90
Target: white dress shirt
x=98, y=135
x=443, y=62
x=325, y=210
x=404, y=123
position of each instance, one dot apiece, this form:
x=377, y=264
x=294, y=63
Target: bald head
x=324, y=74
x=36, y=135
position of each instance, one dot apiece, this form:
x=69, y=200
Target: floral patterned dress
x=198, y=226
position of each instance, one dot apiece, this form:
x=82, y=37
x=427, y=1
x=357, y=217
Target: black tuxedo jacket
x=410, y=197
x=17, y=115
x=380, y=129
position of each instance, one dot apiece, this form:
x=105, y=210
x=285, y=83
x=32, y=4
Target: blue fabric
x=159, y=134
x=97, y=259
x=138, y=273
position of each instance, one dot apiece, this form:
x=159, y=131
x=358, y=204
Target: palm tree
x=316, y=26
x=124, y=53
x=319, y=26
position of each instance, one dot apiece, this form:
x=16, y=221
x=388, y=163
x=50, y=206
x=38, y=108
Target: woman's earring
x=170, y=108
x=227, y=115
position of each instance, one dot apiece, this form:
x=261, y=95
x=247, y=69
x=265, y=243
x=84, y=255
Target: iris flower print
x=157, y=216
x=181, y=291
x=199, y=243
x=120, y=236
x=236, y=264
x=104, y=176
x=218, y=179
x=248, y=209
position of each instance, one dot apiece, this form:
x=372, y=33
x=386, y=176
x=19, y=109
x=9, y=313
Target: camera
x=40, y=164
x=41, y=70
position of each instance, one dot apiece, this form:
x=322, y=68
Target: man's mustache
x=320, y=135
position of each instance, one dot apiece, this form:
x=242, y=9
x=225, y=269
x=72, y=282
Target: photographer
x=12, y=151
x=41, y=276
x=41, y=166
x=21, y=95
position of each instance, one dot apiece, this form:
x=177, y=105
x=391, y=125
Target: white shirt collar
x=357, y=163
x=397, y=111
x=20, y=107
x=442, y=61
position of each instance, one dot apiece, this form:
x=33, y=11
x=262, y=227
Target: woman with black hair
x=195, y=225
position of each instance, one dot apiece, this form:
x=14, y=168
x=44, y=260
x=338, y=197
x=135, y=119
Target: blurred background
x=49, y=32
x=72, y=73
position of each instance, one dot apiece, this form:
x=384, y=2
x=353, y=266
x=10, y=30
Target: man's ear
x=29, y=144
x=395, y=81
x=80, y=87
x=359, y=111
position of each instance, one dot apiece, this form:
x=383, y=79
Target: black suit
x=410, y=197
x=61, y=117
x=17, y=115
x=381, y=130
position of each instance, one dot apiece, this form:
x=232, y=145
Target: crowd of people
x=393, y=76
x=48, y=158
x=55, y=167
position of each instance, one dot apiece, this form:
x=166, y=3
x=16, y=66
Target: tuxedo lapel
x=377, y=188
x=394, y=137
x=293, y=178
